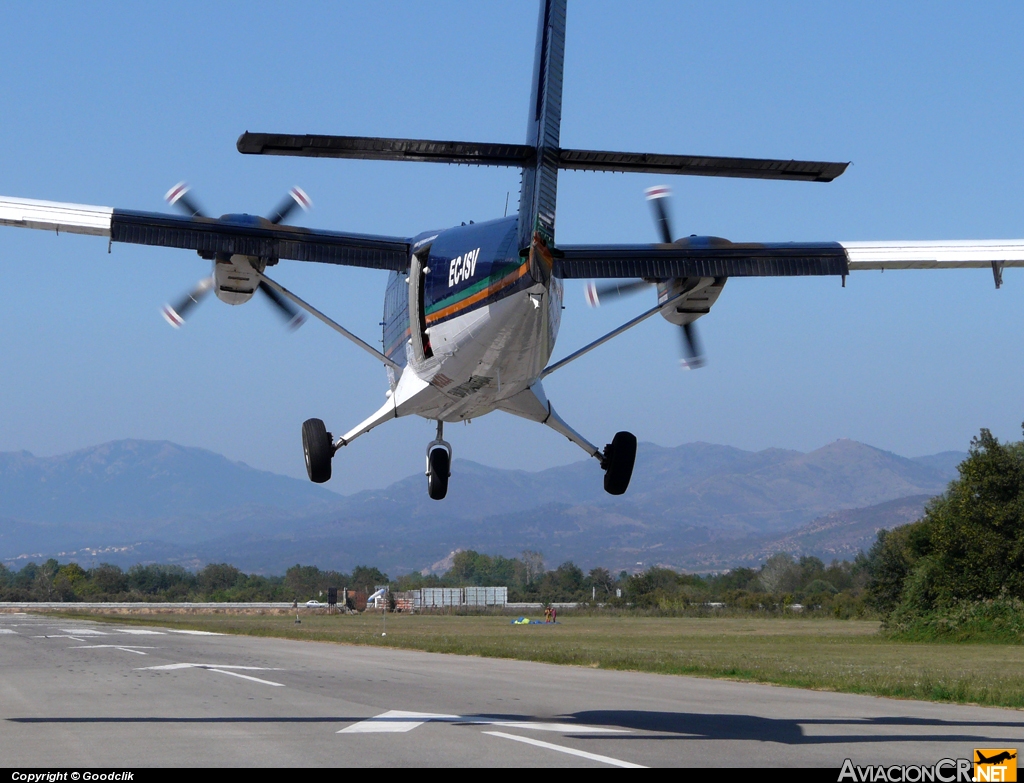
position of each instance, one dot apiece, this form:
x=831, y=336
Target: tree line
x=781, y=582
x=55, y=581
x=778, y=585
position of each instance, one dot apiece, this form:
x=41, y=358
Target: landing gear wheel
x=619, y=456
x=319, y=449
x=438, y=471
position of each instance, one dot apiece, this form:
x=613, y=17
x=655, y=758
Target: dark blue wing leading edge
x=701, y=257
x=210, y=236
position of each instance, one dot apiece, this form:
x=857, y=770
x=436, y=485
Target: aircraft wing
x=209, y=235
x=714, y=257
x=955, y=254
x=701, y=257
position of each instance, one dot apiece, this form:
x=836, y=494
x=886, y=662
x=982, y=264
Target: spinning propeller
x=693, y=355
x=232, y=275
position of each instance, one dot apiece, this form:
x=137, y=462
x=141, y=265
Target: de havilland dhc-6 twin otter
x=471, y=313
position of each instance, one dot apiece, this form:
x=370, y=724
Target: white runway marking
x=571, y=751
x=394, y=721
x=194, y=633
x=84, y=632
x=172, y=666
x=61, y=636
x=245, y=676
x=564, y=728
x=7, y=630
x=221, y=669
x=133, y=649
x=140, y=632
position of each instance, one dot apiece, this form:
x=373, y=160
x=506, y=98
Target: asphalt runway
x=81, y=694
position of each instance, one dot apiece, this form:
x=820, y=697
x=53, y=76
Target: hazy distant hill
x=945, y=462
x=130, y=490
x=697, y=505
x=839, y=535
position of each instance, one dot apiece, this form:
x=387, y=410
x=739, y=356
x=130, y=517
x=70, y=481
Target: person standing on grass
x=554, y=615
x=547, y=614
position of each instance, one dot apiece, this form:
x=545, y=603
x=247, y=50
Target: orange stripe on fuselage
x=479, y=296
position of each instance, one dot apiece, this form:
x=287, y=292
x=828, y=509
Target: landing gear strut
x=439, y=463
x=617, y=462
x=318, y=446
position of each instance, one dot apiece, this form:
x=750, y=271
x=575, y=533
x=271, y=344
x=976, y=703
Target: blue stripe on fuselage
x=466, y=265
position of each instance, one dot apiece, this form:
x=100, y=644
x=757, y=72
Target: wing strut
x=333, y=324
x=614, y=333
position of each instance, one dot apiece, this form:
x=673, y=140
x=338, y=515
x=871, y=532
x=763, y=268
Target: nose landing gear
x=439, y=462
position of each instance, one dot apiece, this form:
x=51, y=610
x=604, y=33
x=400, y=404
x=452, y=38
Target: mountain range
x=697, y=506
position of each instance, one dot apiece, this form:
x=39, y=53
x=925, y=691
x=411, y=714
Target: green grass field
x=841, y=655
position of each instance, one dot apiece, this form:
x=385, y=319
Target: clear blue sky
x=112, y=103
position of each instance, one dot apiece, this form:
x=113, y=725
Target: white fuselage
x=485, y=356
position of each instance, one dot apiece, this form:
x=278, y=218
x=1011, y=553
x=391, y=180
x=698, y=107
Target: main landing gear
x=318, y=446
x=616, y=459
x=439, y=464
x=617, y=462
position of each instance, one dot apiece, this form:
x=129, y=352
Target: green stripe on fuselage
x=497, y=274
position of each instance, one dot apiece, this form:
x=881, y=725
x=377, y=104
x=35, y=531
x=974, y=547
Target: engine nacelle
x=700, y=294
x=236, y=278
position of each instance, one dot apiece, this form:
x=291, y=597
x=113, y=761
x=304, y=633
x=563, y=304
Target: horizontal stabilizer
x=701, y=166
x=371, y=148
x=522, y=155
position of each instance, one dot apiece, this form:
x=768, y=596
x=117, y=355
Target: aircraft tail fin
x=541, y=156
x=540, y=181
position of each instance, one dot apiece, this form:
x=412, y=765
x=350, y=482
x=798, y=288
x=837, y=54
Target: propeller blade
x=175, y=314
x=596, y=294
x=658, y=196
x=291, y=314
x=178, y=197
x=296, y=198
x=693, y=355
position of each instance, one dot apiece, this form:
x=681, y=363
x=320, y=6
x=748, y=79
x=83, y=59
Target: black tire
x=437, y=474
x=319, y=450
x=619, y=456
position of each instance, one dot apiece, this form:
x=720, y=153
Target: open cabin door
x=418, y=271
